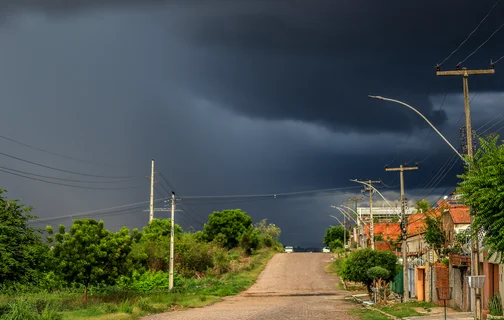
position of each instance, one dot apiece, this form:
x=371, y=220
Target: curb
x=382, y=312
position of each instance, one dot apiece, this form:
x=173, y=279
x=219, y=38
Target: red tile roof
x=460, y=215
x=391, y=230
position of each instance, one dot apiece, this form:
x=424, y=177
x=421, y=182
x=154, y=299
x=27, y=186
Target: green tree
x=423, y=205
x=90, y=254
x=356, y=266
x=435, y=235
x=227, y=226
x=269, y=234
x=21, y=249
x=482, y=188
x=336, y=244
x=335, y=233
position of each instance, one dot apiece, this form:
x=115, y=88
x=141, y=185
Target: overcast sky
x=236, y=97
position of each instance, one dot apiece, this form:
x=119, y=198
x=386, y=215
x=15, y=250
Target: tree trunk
x=85, y=293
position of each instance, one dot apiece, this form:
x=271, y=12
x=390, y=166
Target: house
x=386, y=235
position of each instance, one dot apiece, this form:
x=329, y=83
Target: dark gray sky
x=237, y=97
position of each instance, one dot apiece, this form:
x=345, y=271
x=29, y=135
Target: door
x=411, y=282
x=421, y=285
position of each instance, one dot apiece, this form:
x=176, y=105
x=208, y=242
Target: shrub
x=20, y=309
x=376, y=273
x=495, y=305
x=357, y=264
x=192, y=256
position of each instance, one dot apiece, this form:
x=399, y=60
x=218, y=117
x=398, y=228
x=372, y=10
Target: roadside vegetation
x=90, y=272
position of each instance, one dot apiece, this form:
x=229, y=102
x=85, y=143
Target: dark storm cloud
x=318, y=61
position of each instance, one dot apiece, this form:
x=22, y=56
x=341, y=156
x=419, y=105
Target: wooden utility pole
x=369, y=187
x=465, y=77
x=404, y=228
x=465, y=82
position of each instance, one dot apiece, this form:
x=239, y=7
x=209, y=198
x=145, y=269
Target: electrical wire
x=481, y=45
x=270, y=194
x=434, y=187
x=99, y=211
x=495, y=62
x=432, y=177
x=64, y=184
x=439, y=173
x=488, y=122
x=61, y=170
x=60, y=179
x=166, y=180
x=492, y=126
x=53, y=153
x=477, y=27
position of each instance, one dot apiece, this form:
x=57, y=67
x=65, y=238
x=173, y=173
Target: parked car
x=326, y=250
x=289, y=249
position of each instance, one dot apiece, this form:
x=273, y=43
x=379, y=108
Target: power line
x=439, y=173
x=495, y=62
x=269, y=194
x=162, y=176
x=52, y=153
x=62, y=170
x=99, y=211
x=492, y=126
x=60, y=179
x=489, y=121
x=477, y=27
x=64, y=184
x=434, y=187
x=481, y=45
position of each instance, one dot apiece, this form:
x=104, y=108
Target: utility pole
x=172, y=240
x=355, y=200
x=369, y=187
x=465, y=81
x=151, y=215
x=404, y=228
x=344, y=233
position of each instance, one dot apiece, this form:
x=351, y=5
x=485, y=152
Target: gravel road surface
x=292, y=286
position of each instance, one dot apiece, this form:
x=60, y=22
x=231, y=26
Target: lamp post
x=427, y=120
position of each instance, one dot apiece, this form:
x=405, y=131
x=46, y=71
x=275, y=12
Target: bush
x=336, y=244
x=376, y=273
x=357, y=264
x=20, y=310
x=148, y=281
x=192, y=256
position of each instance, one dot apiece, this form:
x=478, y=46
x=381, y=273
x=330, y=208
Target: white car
x=326, y=250
x=289, y=249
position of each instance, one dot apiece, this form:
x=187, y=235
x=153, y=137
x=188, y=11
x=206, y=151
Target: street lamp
x=418, y=112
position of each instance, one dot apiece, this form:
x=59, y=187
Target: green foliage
x=22, y=253
x=336, y=244
x=249, y=240
x=227, y=226
x=90, y=254
x=495, y=305
x=333, y=233
x=192, y=256
x=357, y=264
x=482, y=189
x=378, y=272
x=423, y=205
x=20, y=310
x=159, y=228
x=435, y=235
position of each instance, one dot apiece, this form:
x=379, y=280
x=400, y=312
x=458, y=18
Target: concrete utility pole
x=465, y=81
x=404, y=228
x=369, y=187
x=151, y=214
x=355, y=200
x=172, y=240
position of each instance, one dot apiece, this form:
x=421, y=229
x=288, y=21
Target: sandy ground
x=292, y=286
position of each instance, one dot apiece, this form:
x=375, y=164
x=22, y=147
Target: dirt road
x=292, y=286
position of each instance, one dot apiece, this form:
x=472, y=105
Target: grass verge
x=367, y=314
x=402, y=310
x=127, y=305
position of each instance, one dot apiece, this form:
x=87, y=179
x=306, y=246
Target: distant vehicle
x=289, y=249
x=326, y=250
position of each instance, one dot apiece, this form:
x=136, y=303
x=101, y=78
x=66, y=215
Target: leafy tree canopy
x=227, y=226
x=435, y=234
x=482, y=189
x=159, y=228
x=356, y=266
x=21, y=248
x=423, y=205
x=335, y=233
x=90, y=254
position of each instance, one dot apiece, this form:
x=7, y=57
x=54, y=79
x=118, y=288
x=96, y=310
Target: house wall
x=460, y=299
x=441, y=279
